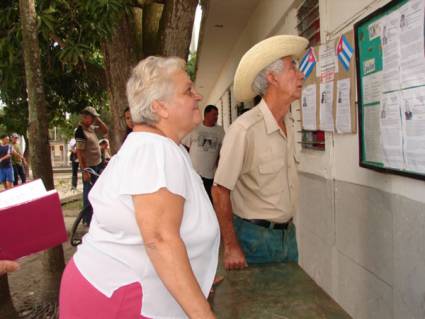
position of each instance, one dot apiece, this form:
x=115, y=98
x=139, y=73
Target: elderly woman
x=152, y=247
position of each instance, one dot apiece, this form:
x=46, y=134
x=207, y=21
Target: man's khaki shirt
x=258, y=165
x=88, y=142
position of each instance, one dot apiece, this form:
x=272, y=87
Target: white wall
x=361, y=233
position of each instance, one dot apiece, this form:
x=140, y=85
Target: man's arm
x=101, y=126
x=81, y=140
x=5, y=157
x=234, y=257
x=83, y=164
x=15, y=153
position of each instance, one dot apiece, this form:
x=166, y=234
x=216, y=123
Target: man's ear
x=271, y=78
x=160, y=108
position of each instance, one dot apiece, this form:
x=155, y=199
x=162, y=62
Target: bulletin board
x=328, y=96
x=390, y=63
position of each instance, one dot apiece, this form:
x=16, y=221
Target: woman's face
x=182, y=106
x=128, y=120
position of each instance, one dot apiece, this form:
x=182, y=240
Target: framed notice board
x=390, y=64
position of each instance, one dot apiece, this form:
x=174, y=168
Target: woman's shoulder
x=151, y=145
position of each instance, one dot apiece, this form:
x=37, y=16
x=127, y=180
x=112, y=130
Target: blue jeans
x=263, y=245
x=88, y=210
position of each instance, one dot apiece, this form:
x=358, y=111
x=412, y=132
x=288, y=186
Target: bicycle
x=75, y=239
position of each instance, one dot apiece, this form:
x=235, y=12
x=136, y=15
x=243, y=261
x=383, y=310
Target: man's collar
x=269, y=120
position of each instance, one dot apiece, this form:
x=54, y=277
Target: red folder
x=32, y=226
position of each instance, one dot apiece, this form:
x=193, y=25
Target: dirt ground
x=25, y=284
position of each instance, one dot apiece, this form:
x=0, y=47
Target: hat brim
x=92, y=113
x=260, y=56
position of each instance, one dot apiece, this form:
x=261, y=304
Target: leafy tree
x=191, y=65
x=86, y=50
x=38, y=132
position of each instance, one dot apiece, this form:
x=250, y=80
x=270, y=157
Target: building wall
x=361, y=233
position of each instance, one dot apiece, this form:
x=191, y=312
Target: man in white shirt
x=204, y=145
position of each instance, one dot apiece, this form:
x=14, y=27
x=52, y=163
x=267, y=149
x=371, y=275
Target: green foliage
x=191, y=65
x=71, y=34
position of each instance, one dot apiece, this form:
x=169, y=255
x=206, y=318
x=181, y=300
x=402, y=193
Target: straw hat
x=90, y=110
x=260, y=56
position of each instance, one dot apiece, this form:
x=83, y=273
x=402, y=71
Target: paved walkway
x=63, y=186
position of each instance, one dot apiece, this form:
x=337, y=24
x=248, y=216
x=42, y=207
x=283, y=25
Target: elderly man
x=88, y=152
x=256, y=185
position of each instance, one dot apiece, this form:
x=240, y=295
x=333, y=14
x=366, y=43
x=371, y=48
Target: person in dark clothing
x=128, y=122
x=74, y=163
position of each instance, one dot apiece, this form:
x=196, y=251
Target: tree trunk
x=151, y=17
x=38, y=135
x=138, y=30
x=120, y=57
x=176, y=27
x=7, y=310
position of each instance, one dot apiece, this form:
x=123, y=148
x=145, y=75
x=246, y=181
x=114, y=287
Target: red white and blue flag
x=308, y=62
x=344, y=52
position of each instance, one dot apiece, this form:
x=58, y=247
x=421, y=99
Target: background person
x=255, y=188
x=128, y=122
x=72, y=145
x=105, y=154
x=18, y=161
x=204, y=145
x=88, y=152
x=154, y=229
x=6, y=168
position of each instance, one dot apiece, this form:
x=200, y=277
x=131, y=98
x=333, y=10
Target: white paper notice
x=309, y=107
x=412, y=65
x=372, y=88
x=391, y=130
x=390, y=39
x=343, y=109
x=326, y=111
x=328, y=65
x=413, y=118
x=374, y=30
x=372, y=134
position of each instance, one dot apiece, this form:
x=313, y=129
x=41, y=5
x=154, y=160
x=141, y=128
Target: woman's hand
x=8, y=266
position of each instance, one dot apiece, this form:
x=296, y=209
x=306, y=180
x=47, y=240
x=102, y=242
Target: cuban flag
x=308, y=62
x=344, y=52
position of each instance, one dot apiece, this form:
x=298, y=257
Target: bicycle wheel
x=75, y=238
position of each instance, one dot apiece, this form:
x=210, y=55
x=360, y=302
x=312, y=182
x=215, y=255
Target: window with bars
x=309, y=21
x=309, y=27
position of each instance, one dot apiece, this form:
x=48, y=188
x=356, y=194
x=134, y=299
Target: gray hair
x=260, y=83
x=150, y=81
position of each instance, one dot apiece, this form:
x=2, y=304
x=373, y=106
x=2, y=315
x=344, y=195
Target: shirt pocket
x=297, y=158
x=271, y=177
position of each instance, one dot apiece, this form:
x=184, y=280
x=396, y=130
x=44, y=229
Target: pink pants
x=80, y=300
